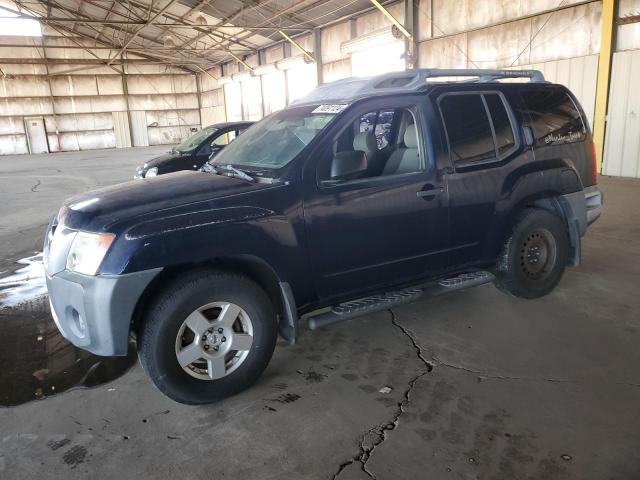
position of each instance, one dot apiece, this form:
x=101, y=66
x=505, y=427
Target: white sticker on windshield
x=329, y=109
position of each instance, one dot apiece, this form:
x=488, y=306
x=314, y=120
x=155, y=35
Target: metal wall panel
x=139, y=128
x=121, y=129
x=622, y=138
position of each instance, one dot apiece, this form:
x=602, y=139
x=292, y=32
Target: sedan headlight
x=87, y=252
x=152, y=172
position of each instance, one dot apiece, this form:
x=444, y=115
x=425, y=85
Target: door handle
x=429, y=192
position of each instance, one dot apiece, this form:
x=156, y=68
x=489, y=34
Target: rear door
x=482, y=140
x=386, y=226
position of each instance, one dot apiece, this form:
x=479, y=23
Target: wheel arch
x=553, y=202
x=278, y=291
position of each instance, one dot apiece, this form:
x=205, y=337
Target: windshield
x=194, y=141
x=276, y=140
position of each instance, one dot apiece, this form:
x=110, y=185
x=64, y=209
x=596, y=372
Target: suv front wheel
x=534, y=257
x=206, y=336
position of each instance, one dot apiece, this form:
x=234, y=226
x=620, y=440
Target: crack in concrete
x=35, y=187
x=379, y=433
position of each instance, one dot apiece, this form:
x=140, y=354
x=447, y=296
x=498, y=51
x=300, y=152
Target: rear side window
x=468, y=128
x=505, y=140
x=555, y=119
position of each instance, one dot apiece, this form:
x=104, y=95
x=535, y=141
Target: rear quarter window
x=555, y=118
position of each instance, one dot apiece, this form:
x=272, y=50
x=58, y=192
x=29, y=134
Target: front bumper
x=94, y=313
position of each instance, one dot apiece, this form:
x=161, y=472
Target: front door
x=385, y=224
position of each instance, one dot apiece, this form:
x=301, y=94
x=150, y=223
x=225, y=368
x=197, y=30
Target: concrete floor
x=482, y=385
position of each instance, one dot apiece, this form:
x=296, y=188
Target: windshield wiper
x=228, y=170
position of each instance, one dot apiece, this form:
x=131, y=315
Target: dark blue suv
x=366, y=194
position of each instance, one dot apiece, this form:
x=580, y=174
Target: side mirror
x=348, y=165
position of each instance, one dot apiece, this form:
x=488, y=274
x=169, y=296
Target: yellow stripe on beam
x=604, y=76
x=391, y=18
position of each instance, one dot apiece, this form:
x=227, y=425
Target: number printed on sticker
x=329, y=108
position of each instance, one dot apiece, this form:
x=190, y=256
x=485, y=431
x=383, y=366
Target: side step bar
x=376, y=303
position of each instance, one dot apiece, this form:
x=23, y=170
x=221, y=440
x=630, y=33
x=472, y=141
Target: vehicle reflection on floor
x=36, y=360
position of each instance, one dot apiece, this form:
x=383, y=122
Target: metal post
x=199, y=92
x=604, y=76
x=411, y=24
x=125, y=91
x=317, y=53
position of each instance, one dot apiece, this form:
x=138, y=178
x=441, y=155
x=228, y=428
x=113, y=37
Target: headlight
x=87, y=252
x=152, y=172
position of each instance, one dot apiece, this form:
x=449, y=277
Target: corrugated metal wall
x=622, y=145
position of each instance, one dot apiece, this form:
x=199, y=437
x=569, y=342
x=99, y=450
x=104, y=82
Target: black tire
x=535, y=255
x=157, y=337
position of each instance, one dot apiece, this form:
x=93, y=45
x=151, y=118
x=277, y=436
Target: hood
x=98, y=210
x=162, y=159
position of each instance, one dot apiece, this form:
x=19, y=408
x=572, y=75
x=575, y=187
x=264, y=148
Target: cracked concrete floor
x=482, y=386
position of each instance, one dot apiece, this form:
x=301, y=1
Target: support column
x=199, y=94
x=317, y=53
x=604, y=77
x=125, y=91
x=412, y=26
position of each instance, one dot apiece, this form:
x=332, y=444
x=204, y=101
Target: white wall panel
x=121, y=129
x=11, y=125
x=212, y=98
x=25, y=106
x=211, y=115
x=622, y=140
x=375, y=20
x=336, y=70
x=24, y=87
x=381, y=59
x=450, y=52
x=274, y=93
x=628, y=36
x=331, y=40
x=138, y=121
x=13, y=144
x=233, y=101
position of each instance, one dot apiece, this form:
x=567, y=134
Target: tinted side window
x=505, y=139
x=468, y=128
x=554, y=117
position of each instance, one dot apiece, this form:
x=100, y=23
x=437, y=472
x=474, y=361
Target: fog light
x=76, y=322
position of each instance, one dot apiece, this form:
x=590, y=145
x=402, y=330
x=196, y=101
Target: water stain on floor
x=37, y=361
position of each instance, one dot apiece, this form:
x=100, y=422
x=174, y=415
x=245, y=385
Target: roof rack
x=414, y=79
x=407, y=81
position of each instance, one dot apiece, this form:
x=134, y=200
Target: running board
x=384, y=301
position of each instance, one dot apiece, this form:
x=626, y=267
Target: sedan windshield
x=194, y=141
x=276, y=140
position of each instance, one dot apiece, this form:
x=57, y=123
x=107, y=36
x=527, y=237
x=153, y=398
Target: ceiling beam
x=141, y=28
x=96, y=21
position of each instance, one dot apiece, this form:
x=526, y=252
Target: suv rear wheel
x=207, y=336
x=534, y=257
